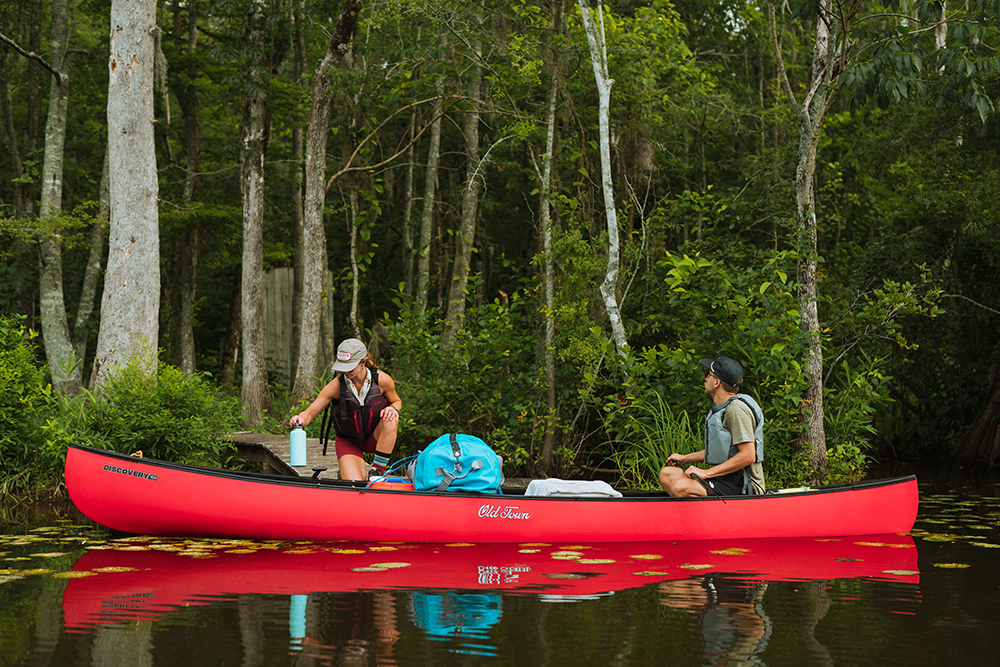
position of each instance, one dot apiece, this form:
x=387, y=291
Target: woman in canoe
x=365, y=410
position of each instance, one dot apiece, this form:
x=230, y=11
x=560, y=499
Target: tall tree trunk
x=408, y=209
x=65, y=368
x=338, y=52
x=298, y=149
x=256, y=394
x=16, y=165
x=981, y=442
x=88, y=291
x=545, y=231
x=599, y=60
x=131, y=304
x=455, y=313
x=352, y=215
x=430, y=188
x=34, y=102
x=810, y=116
x=231, y=341
x=187, y=98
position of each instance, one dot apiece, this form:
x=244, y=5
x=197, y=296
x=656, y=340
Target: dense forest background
x=464, y=217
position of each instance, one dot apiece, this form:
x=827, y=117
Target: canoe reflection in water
x=343, y=596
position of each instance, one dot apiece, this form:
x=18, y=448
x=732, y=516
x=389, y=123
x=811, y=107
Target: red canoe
x=150, y=497
x=141, y=581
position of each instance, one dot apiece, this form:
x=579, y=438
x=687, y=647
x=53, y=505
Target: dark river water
x=73, y=594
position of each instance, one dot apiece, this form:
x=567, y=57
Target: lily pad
x=112, y=569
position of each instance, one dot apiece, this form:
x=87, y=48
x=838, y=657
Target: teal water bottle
x=298, y=445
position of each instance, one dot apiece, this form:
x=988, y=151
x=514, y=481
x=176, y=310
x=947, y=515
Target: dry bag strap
x=449, y=477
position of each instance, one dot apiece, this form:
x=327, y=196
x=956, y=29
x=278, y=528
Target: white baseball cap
x=350, y=353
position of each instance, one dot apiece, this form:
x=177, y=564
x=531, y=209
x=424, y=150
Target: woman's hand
x=389, y=413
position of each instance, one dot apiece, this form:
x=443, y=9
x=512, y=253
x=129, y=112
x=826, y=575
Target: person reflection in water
x=733, y=625
x=369, y=638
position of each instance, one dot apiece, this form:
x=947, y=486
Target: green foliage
x=22, y=392
x=166, y=415
x=645, y=432
x=486, y=384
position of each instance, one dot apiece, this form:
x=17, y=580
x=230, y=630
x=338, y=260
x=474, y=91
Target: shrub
x=168, y=415
x=22, y=395
x=485, y=384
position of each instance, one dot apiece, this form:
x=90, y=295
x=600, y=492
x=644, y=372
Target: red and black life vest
x=353, y=420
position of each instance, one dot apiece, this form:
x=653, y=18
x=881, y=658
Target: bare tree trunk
x=60, y=354
x=810, y=116
x=231, y=341
x=298, y=149
x=338, y=52
x=256, y=394
x=455, y=313
x=599, y=59
x=981, y=442
x=430, y=188
x=545, y=230
x=88, y=291
x=16, y=166
x=352, y=214
x=187, y=98
x=34, y=103
x=131, y=304
x=408, y=209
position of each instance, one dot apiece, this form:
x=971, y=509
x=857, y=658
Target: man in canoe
x=734, y=441
x=365, y=410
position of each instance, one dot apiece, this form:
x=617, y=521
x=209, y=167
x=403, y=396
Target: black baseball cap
x=726, y=369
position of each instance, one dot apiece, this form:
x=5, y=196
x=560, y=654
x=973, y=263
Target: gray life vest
x=719, y=445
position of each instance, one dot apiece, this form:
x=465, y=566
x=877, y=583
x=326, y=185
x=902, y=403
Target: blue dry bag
x=458, y=462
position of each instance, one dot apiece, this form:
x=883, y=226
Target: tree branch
x=974, y=303
x=348, y=168
x=787, y=87
x=31, y=55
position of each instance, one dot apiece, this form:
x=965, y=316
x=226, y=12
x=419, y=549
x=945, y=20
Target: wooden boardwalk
x=274, y=452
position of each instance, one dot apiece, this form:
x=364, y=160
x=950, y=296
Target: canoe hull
x=151, y=497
